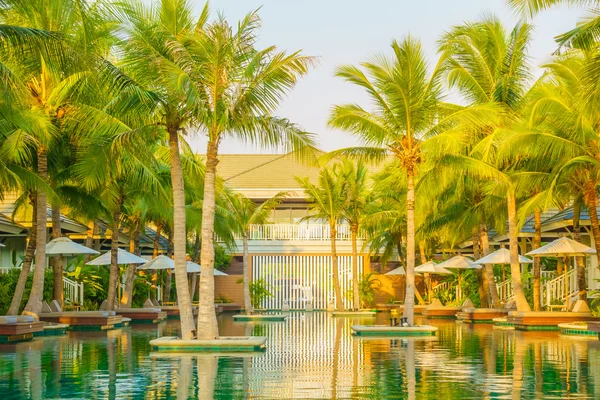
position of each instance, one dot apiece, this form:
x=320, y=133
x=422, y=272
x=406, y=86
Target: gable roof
x=269, y=171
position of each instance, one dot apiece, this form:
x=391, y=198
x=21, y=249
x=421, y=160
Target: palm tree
x=327, y=200
x=585, y=35
x=243, y=212
x=357, y=190
x=213, y=79
x=48, y=79
x=408, y=109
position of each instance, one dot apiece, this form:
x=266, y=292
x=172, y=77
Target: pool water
x=310, y=355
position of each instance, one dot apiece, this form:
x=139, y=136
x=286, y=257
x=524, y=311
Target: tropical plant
x=244, y=212
x=408, y=112
x=327, y=201
x=368, y=285
x=587, y=32
x=355, y=213
x=259, y=292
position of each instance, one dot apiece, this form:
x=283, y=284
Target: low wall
x=227, y=286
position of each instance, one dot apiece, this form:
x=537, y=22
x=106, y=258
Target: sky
x=340, y=32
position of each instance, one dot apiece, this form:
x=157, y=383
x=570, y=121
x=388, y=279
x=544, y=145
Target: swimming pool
x=310, y=355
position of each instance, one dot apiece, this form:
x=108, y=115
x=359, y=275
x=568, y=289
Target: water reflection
x=309, y=356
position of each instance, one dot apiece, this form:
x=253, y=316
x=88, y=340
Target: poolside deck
x=546, y=320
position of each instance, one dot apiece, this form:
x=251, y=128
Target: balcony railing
x=299, y=232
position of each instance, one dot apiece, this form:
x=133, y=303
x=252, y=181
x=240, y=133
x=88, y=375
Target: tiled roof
x=267, y=171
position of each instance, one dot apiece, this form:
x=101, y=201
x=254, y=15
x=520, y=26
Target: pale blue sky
x=348, y=31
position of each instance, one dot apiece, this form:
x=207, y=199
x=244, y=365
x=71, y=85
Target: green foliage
x=8, y=282
x=367, y=287
x=94, y=279
x=223, y=299
x=222, y=258
x=595, y=306
x=446, y=296
x=259, y=292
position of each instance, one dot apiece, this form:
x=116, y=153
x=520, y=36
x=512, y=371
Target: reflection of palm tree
x=411, y=376
x=207, y=374
x=185, y=377
x=336, y=357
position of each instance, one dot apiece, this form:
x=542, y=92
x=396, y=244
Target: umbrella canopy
x=123, y=257
x=397, y=271
x=1, y=245
x=160, y=262
x=563, y=247
x=432, y=268
x=459, y=262
x=66, y=247
x=501, y=256
x=193, y=267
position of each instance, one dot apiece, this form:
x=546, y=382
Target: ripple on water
x=309, y=356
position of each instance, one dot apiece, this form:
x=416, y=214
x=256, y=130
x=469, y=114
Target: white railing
x=442, y=286
x=298, y=232
x=555, y=288
x=547, y=275
x=505, y=291
x=73, y=291
x=5, y=270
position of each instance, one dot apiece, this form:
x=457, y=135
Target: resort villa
x=209, y=201
x=292, y=253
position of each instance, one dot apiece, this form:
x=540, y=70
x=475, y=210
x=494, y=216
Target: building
x=291, y=254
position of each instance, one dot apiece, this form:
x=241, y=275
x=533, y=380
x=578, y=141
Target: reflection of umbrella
x=397, y=271
x=501, y=256
x=563, y=247
x=63, y=246
x=159, y=262
x=1, y=245
x=459, y=263
x=123, y=257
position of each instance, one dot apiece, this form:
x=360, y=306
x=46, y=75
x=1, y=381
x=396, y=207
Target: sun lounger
x=172, y=311
x=437, y=310
x=484, y=315
x=18, y=328
x=79, y=319
x=152, y=315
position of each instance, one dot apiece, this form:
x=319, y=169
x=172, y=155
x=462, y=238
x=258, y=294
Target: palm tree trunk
x=409, y=300
x=113, y=279
x=196, y=259
x=34, y=303
x=89, y=239
x=581, y=275
x=246, y=262
x=168, y=272
x=591, y=202
x=207, y=318
x=355, y=291
x=180, y=238
x=515, y=267
x=481, y=281
x=156, y=245
x=427, y=276
x=488, y=269
x=57, y=261
x=134, y=239
x=339, y=301
x=15, y=303
x=537, y=281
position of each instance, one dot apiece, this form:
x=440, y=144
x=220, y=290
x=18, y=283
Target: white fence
x=298, y=232
x=73, y=291
x=558, y=289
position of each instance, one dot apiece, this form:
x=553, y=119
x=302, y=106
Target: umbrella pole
x=566, y=280
x=458, y=291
